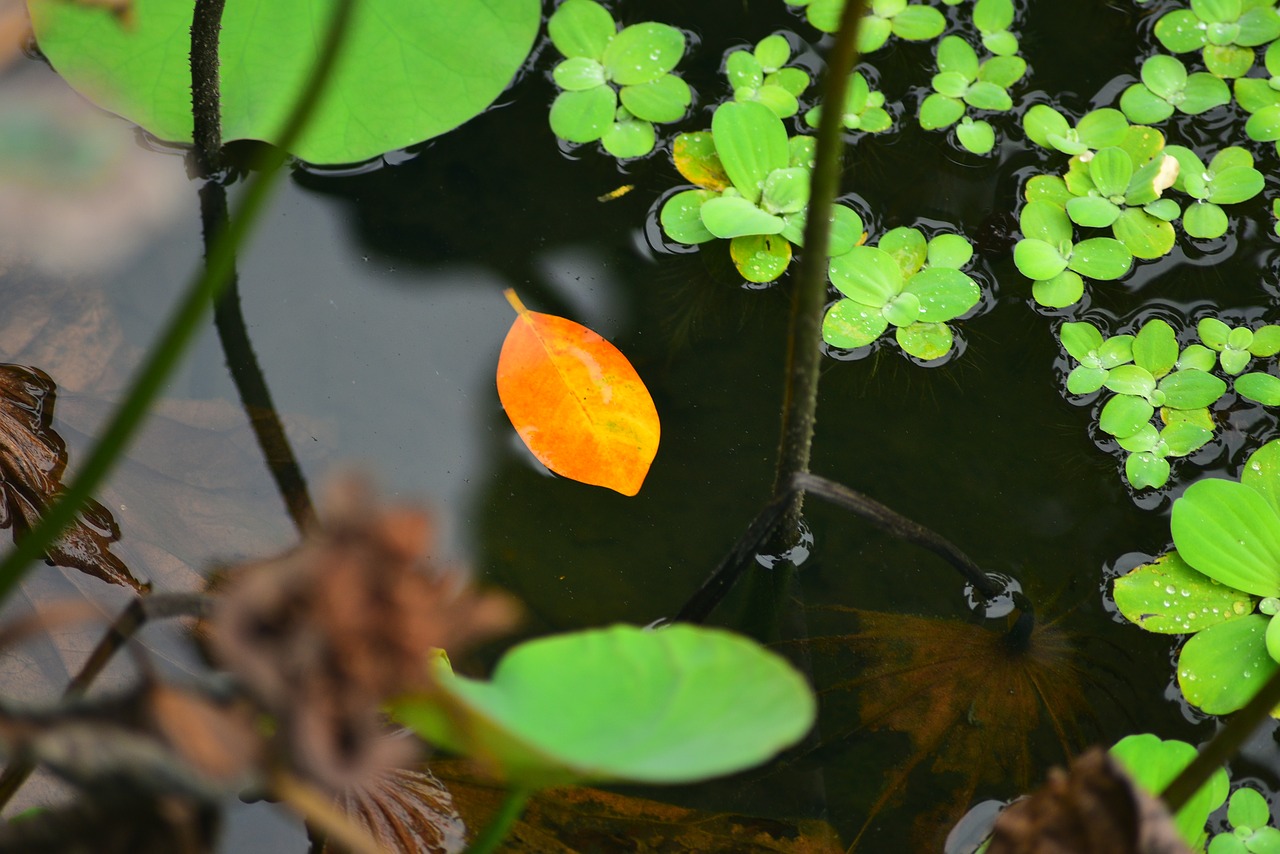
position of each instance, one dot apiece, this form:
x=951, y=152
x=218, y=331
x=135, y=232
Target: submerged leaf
x=404, y=810
x=576, y=401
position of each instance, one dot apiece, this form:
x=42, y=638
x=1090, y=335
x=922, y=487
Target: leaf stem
x=206, y=98
x=500, y=825
x=181, y=328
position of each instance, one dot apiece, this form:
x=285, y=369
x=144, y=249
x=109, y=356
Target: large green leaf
x=1222, y=667
x=1156, y=347
x=1125, y=414
x=670, y=706
x=927, y=341
x=641, y=53
x=733, y=216
x=1169, y=597
x=1154, y=763
x=1144, y=235
x=1262, y=472
x=944, y=293
x=1102, y=258
x=408, y=72
x=1191, y=389
x=868, y=275
x=1231, y=533
x=752, y=142
x=581, y=28
x=850, y=324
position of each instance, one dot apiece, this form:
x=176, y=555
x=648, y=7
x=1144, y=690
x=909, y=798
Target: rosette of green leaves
x=638, y=59
x=992, y=18
x=961, y=82
x=1094, y=355
x=754, y=186
x=906, y=282
x=914, y=22
x=1233, y=348
x=1048, y=128
x=1255, y=94
x=1228, y=179
x=1251, y=832
x=1229, y=532
x=1112, y=188
x=1047, y=256
x=1166, y=86
x=863, y=108
x=761, y=75
x=1225, y=31
x=1150, y=383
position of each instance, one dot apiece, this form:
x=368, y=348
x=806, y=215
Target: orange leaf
x=576, y=401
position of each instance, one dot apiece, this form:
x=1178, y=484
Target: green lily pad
x=1222, y=667
x=926, y=341
x=850, y=324
x=1231, y=533
x=1169, y=597
x=463, y=53
x=675, y=705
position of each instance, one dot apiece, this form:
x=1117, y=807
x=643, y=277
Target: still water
x=373, y=297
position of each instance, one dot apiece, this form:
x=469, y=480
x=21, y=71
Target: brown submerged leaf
x=404, y=810
x=32, y=460
x=1095, y=808
x=968, y=698
x=322, y=635
x=584, y=821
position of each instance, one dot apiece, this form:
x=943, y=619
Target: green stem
x=804, y=347
x=500, y=825
x=181, y=328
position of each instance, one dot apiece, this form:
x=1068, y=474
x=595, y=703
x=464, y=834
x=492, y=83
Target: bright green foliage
x=1047, y=256
x=1166, y=86
x=1228, y=179
x=1229, y=532
x=637, y=59
x=408, y=73
x=1225, y=31
x=755, y=184
x=761, y=75
x=906, y=282
x=863, y=109
x=1235, y=346
x=963, y=82
x=1251, y=830
x=1048, y=128
x=1147, y=373
x=1169, y=597
x=910, y=21
x=1154, y=764
x=992, y=18
x=1115, y=188
x=673, y=705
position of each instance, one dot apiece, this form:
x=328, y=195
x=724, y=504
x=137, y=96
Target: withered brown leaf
x=322, y=635
x=32, y=460
x=405, y=810
x=1094, y=808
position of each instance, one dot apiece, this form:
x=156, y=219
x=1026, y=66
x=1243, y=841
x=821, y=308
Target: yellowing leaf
x=576, y=402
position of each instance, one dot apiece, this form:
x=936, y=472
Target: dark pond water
x=373, y=298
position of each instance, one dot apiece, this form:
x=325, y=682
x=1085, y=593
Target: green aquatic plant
x=1114, y=188
x=992, y=19
x=1251, y=832
x=599, y=57
x=1224, y=31
x=753, y=189
x=963, y=82
x=863, y=109
x=1154, y=763
x=464, y=52
x=910, y=21
x=1222, y=585
x=761, y=75
x=1048, y=128
x=1047, y=255
x=906, y=282
x=1236, y=346
x=1166, y=86
x=1228, y=179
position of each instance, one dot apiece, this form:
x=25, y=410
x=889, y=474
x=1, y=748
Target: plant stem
x=1224, y=745
x=206, y=99
x=203, y=291
x=800, y=399
x=118, y=634
x=500, y=825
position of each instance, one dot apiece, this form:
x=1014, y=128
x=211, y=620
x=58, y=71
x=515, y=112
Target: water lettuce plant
x=1237, y=346
x=1229, y=178
x=863, y=109
x=1166, y=86
x=1120, y=187
x=905, y=282
x=598, y=56
x=992, y=19
x=1251, y=832
x=1222, y=584
x=884, y=18
x=464, y=52
x=1224, y=31
x=762, y=75
x=962, y=82
x=1047, y=255
x=753, y=188
x=1050, y=129
x=1154, y=763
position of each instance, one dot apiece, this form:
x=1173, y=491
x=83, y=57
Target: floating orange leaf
x=576, y=401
